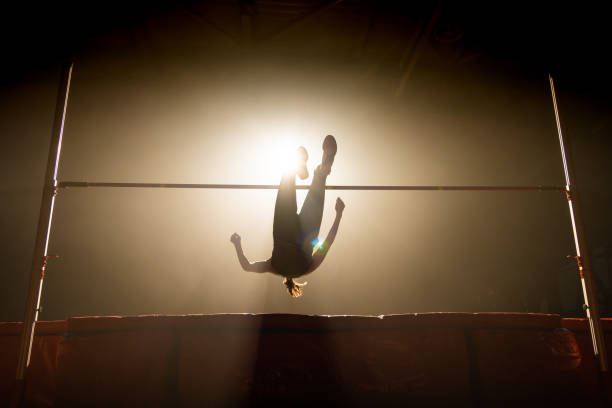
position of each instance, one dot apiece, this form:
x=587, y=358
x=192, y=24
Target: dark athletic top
x=289, y=260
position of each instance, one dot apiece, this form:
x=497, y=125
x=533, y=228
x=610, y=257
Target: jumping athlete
x=296, y=235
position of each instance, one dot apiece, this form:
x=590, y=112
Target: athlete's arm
x=319, y=255
x=260, y=266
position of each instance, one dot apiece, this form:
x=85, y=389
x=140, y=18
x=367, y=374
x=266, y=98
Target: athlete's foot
x=330, y=147
x=302, y=158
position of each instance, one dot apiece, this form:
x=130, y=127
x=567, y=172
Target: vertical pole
x=39, y=261
x=582, y=256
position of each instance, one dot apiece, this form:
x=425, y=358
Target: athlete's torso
x=289, y=260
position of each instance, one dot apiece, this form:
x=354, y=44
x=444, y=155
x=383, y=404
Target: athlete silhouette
x=296, y=235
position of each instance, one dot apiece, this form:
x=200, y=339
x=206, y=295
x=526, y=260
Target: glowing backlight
x=274, y=159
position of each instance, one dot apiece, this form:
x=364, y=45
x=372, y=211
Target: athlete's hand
x=339, y=205
x=235, y=239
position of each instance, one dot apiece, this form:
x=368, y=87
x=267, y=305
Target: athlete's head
x=294, y=288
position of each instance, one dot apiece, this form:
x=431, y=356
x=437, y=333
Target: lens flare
x=317, y=243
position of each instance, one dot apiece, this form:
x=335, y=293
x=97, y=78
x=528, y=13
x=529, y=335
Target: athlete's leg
x=311, y=213
x=286, y=226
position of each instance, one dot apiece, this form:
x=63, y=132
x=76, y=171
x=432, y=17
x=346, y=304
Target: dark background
x=427, y=93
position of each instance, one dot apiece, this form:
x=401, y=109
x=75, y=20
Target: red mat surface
x=431, y=359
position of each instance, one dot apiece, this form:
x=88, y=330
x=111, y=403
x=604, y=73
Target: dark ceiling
x=384, y=36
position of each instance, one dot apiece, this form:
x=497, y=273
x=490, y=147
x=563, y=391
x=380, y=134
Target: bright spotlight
x=276, y=158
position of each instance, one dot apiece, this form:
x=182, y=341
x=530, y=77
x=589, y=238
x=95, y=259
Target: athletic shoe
x=330, y=147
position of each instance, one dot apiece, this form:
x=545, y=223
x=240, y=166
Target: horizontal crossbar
x=65, y=184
